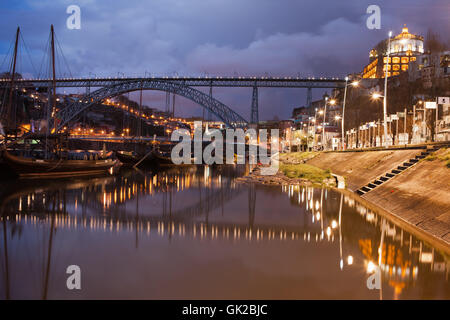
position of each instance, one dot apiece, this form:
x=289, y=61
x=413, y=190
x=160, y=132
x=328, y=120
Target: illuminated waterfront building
x=404, y=48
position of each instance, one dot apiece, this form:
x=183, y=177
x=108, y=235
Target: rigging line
x=58, y=62
x=44, y=58
x=6, y=55
x=28, y=53
x=5, y=91
x=63, y=56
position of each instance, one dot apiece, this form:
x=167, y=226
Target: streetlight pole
x=343, y=114
x=385, y=90
x=323, y=124
x=314, y=132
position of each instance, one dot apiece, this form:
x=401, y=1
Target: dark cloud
x=218, y=37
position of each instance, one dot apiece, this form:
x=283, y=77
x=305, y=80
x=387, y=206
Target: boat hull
x=36, y=168
x=165, y=161
x=130, y=159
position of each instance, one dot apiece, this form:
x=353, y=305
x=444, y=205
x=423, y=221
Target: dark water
x=195, y=233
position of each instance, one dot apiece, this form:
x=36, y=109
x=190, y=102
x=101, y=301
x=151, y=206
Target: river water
x=196, y=233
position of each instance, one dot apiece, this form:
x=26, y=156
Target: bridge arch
x=224, y=113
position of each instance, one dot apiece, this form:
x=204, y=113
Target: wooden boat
x=163, y=158
x=56, y=168
x=131, y=158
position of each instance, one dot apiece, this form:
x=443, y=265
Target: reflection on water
x=196, y=233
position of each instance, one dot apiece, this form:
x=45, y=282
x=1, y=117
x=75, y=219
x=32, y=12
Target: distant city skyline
x=224, y=38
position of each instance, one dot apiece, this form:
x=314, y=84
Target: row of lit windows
x=371, y=65
x=396, y=73
x=399, y=59
x=398, y=48
x=396, y=67
x=370, y=73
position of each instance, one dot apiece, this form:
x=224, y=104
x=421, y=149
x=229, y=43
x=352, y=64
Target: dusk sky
x=216, y=37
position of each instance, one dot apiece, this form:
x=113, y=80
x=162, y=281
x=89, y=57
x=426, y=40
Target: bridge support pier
x=254, y=112
x=210, y=94
x=309, y=97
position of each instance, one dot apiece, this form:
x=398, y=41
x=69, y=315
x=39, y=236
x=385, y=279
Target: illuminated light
x=341, y=264
x=334, y=224
x=350, y=260
x=371, y=267
x=376, y=95
x=328, y=231
x=318, y=216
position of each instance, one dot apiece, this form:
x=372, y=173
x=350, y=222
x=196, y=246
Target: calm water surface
x=195, y=233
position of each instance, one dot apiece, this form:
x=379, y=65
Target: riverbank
x=418, y=197
x=290, y=174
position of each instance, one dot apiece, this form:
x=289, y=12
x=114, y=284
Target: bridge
x=184, y=86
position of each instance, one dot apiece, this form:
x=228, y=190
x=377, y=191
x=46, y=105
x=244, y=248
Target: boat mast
x=5, y=245
x=54, y=78
x=51, y=94
x=13, y=77
x=50, y=245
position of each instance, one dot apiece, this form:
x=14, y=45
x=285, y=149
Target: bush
x=305, y=171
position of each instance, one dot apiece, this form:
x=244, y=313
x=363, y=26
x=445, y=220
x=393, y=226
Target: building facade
x=403, y=49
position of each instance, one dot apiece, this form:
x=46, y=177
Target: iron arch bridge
x=220, y=110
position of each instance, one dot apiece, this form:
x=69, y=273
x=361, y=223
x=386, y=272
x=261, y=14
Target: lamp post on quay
x=332, y=102
x=376, y=96
x=385, y=89
x=354, y=84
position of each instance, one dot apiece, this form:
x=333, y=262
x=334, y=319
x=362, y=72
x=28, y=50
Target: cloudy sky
x=215, y=37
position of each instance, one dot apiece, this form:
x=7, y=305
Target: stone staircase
x=396, y=171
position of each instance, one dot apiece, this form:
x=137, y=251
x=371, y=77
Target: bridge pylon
x=254, y=112
x=309, y=97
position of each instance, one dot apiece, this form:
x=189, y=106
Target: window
x=412, y=59
x=396, y=60
x=404, y=67
x=396, y=67
x=405, y=59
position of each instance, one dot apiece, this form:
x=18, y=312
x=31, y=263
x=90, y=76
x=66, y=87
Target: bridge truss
x=224, y=113
x=183, y=86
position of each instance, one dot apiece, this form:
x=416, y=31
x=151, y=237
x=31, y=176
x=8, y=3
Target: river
x=195, y=233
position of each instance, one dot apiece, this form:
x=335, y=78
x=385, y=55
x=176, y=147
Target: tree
x=433, y=43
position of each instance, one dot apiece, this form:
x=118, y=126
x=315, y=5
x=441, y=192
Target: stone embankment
x=418, y=197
